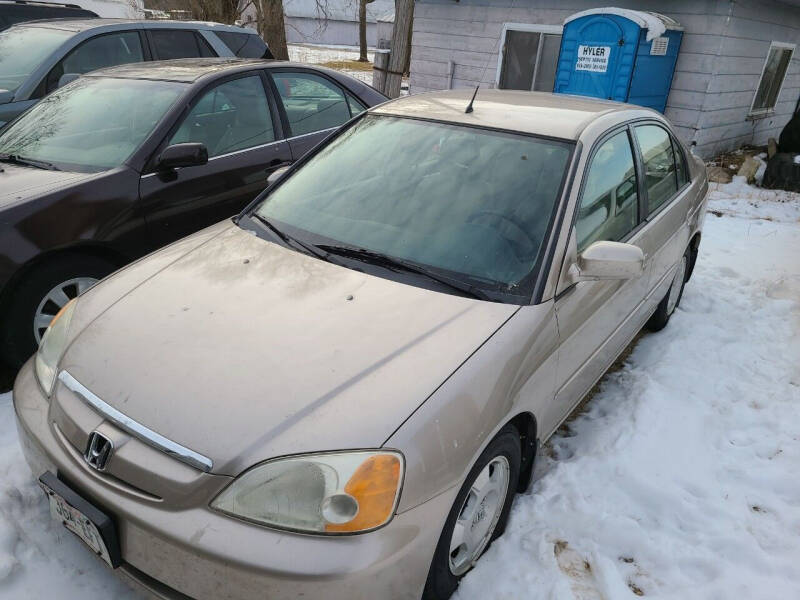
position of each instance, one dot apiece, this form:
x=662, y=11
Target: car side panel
x=513, y=372
x=84, y=215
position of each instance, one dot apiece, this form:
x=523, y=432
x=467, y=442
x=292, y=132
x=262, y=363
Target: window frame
x=638, y=169
x=42, y=89
x=287, y=128
x=529, y=28
x=198, y=39
x=197, y=95
x=677, y=149
x=760, y=112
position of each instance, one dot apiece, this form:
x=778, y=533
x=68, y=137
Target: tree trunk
x=362, y=30
x=273, y=28
x=401, y=36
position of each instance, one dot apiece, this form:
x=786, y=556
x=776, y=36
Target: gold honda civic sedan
x=336, y=394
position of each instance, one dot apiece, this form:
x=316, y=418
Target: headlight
x=344, y=492
x=52, y=347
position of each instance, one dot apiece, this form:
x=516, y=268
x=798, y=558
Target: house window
x=772, y=77
x=528, y=57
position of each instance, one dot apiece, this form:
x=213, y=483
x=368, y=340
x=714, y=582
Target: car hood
x=242, y=350
x=18, y=182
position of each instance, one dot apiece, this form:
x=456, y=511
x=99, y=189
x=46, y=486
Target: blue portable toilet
x=619, y=54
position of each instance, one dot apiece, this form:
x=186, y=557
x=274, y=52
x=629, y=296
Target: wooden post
x=401, y=46
x=379, y=66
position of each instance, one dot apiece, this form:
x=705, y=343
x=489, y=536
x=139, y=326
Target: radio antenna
x=469, y=106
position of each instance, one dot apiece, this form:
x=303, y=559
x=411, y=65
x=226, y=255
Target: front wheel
x=670, y=302
x=478, y=516
x=40, y=295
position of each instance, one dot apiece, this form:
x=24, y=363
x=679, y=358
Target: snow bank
x=740, y=199
x=679, y=481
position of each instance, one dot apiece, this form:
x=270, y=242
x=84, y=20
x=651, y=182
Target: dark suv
x=39, y=57
x=127, y=159
x=19, y=11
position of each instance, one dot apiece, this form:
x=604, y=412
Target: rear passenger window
x=177, y=43
x=232, y=116
x=659, y=165
x=244, y=45
x=356, y=108
x=312, y=102
x=609, y=203
x=102, y=51
x=680, y=164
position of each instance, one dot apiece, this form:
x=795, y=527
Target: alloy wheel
x=55, y=300
x=479, y=515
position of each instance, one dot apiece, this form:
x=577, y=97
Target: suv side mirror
x=67, y=78
x=608, y=260
x=275, y=175
x=190, y=154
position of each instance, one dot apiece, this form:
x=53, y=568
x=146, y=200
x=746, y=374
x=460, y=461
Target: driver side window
x=232, y=116
x=609, y=206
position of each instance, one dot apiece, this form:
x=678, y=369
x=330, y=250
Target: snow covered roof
x=655, y=23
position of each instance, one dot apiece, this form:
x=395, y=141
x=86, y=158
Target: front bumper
x=199, y=553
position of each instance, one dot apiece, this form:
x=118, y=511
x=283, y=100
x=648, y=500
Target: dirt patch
x=348, y=65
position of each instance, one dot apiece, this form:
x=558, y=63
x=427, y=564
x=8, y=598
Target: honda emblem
x=98, y=451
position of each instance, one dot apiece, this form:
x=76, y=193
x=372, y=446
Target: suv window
x=244, y=45
x=178, y=43
x=312, y=102
x=96, y=53
x=609, y=203
x=659, y=165
x=231, y=116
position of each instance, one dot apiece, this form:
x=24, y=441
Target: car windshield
x=22, y=49
x=92, y=124
x=471, y=203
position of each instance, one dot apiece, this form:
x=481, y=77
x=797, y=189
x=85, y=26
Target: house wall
x=306, y=23
x=723, y=51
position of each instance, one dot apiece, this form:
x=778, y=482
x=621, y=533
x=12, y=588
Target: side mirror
x=191, y=154
x=67, y=78
x=609, y=260
x=275, y=175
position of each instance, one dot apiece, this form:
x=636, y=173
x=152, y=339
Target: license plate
x=64, y=510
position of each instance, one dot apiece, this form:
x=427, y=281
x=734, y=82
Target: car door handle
x=278, y=163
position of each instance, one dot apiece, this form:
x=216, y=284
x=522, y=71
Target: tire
x=27, y=299
x=503, y=449
x=673, y=296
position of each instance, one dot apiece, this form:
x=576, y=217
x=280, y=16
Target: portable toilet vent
x=619, y=54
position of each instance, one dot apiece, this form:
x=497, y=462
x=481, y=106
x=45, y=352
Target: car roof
x=78, y=25
x=189, y=70
x=551, y=115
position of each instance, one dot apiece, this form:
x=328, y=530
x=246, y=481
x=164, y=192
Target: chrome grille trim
x=134, y=428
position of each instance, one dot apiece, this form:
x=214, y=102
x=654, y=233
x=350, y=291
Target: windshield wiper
x=292, y=241
x=28, y=162
x=397, y=264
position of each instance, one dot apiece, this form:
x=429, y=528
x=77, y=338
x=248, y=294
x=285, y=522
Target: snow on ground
x=679, y=479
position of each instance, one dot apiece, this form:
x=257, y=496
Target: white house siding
x=114, y=9
x=723, y=51
x=337, y=24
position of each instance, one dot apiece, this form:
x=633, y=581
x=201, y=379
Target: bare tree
x=220, y=11
x=362, y=29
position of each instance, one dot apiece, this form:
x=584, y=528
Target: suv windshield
x=472, y=204
x=22, y=49
x=92, y=124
